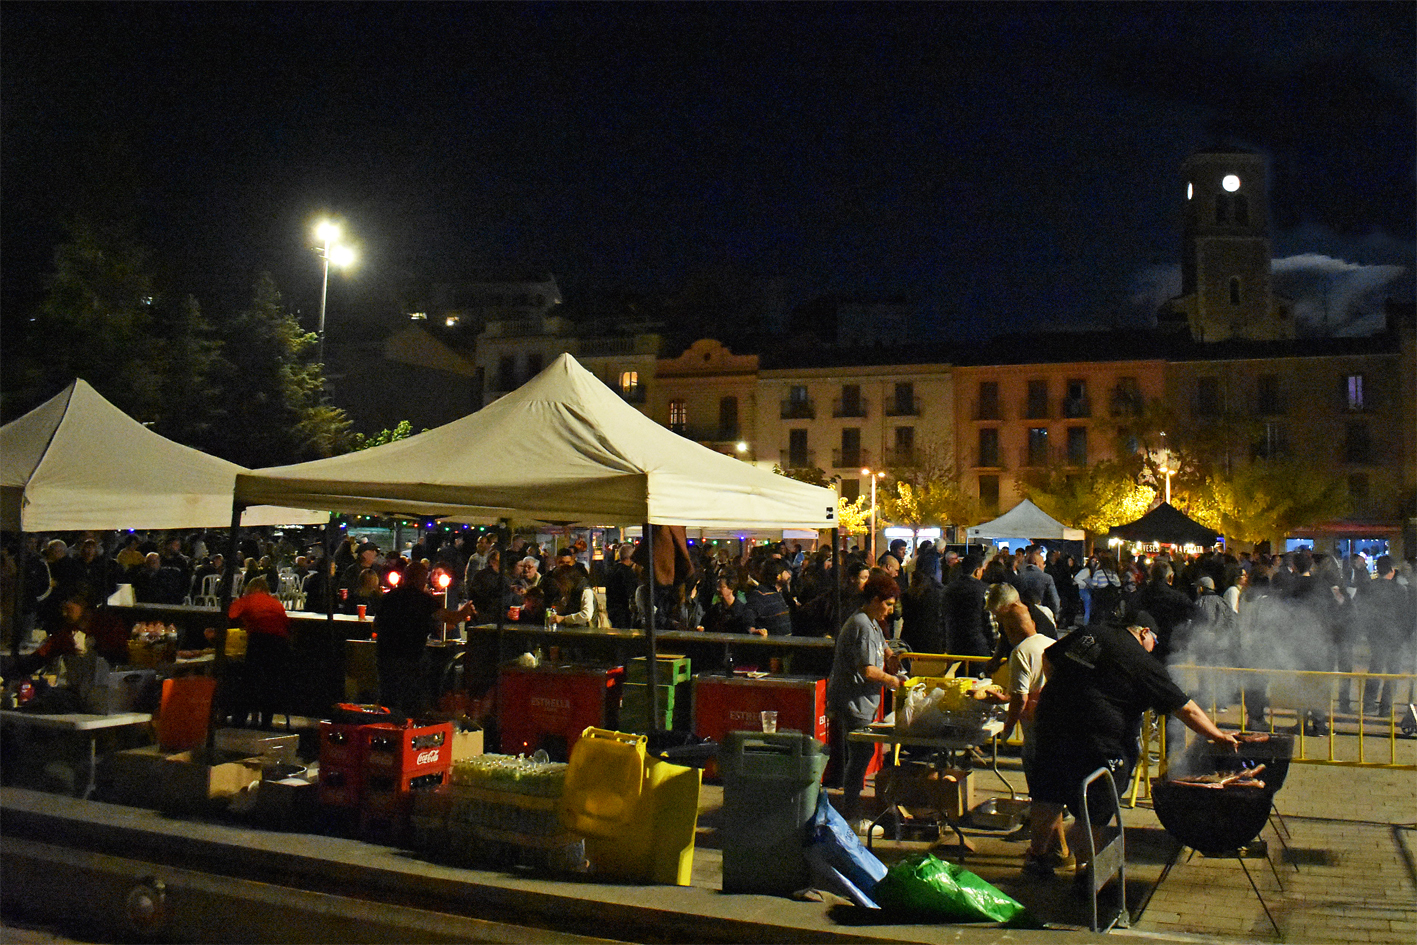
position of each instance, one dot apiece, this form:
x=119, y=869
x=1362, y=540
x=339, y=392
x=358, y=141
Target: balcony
x=633, y=395
x=708, y=434
x=850, y=459
x=1077, y=408
x=797, y=459
x=798, y=409
x=899, y=457
x=1271, y=448
x=986, y=410
x=1126, y=402
x=900, y=407
x=849, y=407
x=989, y=459
x=1037, y=409
x=1037, y=457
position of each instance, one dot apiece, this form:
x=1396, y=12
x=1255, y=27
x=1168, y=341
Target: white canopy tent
x=1025, y=521
x=562, y=448
x=77, y=462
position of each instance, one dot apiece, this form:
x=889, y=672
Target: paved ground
x=1351, y=838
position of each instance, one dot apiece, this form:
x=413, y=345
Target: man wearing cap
x=1101, y=678
x=364, y=557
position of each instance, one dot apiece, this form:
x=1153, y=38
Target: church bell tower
x=1225, y=260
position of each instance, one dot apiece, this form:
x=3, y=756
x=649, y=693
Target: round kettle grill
x=1218, y=821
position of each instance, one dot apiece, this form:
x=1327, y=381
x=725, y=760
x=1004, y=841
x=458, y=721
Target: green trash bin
x=770, y=786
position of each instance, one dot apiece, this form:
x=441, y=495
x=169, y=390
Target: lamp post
x=873, y=476
x=1166, y=468
x=330, y=251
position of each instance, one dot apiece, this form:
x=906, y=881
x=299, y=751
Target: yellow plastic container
x=657, y=843
x=603, y=783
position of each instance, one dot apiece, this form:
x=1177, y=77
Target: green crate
x=671, y=670
x=634, y=707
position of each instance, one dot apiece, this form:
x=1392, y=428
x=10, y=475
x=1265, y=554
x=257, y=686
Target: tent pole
x=652, y=669
x=836, y=576
x=228, y=583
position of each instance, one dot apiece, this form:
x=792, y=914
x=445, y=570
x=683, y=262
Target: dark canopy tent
x=1166, y=525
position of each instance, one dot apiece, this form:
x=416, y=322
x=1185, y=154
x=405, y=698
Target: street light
x=331, y=251
x=1166, y=469
x=873, y=476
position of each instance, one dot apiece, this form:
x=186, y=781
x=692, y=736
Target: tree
x=1266, y=500
x=853, y=517
x=1108, y=493
x=274, y=388
x=187, y=361
x=402, y=431
x=928, y=491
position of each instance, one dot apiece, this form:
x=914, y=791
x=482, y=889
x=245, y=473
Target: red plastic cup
x=363, y=611
x=514, y=612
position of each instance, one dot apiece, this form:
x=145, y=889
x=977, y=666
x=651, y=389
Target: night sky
x=1006, y=165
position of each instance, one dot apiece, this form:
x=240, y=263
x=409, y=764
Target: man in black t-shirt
x=1100, y=681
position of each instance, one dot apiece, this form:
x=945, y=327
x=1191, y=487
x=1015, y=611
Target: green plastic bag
x=925, y=887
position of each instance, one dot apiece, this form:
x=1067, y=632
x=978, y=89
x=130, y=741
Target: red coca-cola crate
x=407, y=749
x=341, y=745
x=549, y=706
x=392, y=794
x=341, y=785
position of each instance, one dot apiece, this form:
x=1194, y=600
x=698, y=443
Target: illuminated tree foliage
x=1108, y=493
x=927, y=491
x=402, y=431
x=854, y=517
x=1266, y=500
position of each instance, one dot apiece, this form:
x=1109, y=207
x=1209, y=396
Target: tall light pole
x=330, y=251
x=1166, y=467
x=873, y=476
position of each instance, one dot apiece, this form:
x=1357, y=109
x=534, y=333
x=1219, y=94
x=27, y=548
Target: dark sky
x=1006, y=164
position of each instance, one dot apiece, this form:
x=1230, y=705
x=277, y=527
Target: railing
x=1075, y=408
x=606, y=347
x=903, y=408
x=797, y=460
x=1126, y=402
x=707, y=434
x=899, y=457
x=1031, y=457
x=986, y=410
x=849, y=407
x=1036, y=409
x=989, y=459
x=633, y=395
x=850, y=459
x=798, y=410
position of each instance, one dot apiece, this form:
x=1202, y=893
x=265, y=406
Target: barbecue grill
x=1221, y=819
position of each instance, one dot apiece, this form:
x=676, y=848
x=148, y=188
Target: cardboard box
x=184, y=780
x=286, y=801
x=922, y=789
x=467, y=744
x=251, y=743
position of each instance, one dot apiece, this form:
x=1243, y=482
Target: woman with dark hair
x=862, y=664
x=575, y=598
x=728, y=611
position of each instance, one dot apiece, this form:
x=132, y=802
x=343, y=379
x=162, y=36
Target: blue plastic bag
x=838, y=860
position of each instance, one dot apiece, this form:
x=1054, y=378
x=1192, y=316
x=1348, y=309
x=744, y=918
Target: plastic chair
x=209, y=592
x=1110, y=858
x=185, y=712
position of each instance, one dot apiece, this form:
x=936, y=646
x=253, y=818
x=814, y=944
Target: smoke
x=1270, y=632
x=1332, y=297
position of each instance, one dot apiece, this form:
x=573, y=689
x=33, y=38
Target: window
x=629, y=380
x=1234, y=290
x=989, y=495
x=1358, y=489
x=797, y=406
x=850, y=448
x=797, y=393
x=904, y=405
x=797, y=455
x=1357, y=445
x=1076, y=404
x=851, y=489
x=988, y=406
x=678, y=415
x=1037, y=400
x=1077, y=446
x=1271, y=442
x=507, y=372
x=1207, y=397
x=988, y=447
x=850, y=405
x=1267, y=395
x=1353, y=390
x=1127, y=399
x=904, y=452
x=1038, y=446
x=728, y=418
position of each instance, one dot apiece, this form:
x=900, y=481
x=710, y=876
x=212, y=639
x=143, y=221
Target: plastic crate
x=391, y=748
x=634, y=707
x=341, y=785
x=391, y=794
x=341, y=745
x=671, y=670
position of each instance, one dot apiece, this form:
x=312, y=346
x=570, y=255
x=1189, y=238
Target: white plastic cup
x=769, y=718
